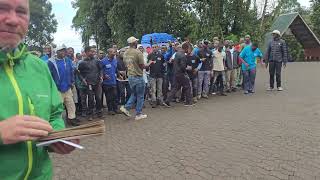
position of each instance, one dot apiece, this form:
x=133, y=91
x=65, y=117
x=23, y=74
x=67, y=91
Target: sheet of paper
x=48, y=143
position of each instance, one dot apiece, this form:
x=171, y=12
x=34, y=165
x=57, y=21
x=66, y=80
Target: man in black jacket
x=90, y=71
x=276, y=56
x=206, y=57
x=181, y=77
x=231, y=64
x=156, y=66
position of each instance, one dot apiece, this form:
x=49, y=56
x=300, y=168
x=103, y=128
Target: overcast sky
x=66, y=35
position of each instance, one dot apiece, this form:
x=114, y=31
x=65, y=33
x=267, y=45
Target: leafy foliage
x=42, y=24
x=113, y=21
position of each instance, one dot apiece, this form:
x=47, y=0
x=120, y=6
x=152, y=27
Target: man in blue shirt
x=47, y=51
x=109, y=66
x=62, y=72
x=249, y=56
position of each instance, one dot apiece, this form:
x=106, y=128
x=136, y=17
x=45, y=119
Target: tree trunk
x=263, y=14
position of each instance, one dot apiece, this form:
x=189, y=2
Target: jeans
x=183, y=81
x=111, y=97
x=203, y=84
x=230, y=79
x=137, y=85
x=156, y=89
x=124, y=92
x=249, y=78
x=67, y=98
x=194, y=86
x=92, y=92
x=275, y=70
x=219, y=80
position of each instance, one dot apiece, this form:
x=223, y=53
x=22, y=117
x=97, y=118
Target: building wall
x=312, y=54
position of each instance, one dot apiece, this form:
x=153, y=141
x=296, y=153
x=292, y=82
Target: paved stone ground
x=266, y=136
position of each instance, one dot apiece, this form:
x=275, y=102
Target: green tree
x=42, y=24
x=315, y=16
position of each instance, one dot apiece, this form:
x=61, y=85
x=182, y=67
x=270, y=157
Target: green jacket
x=27, y=88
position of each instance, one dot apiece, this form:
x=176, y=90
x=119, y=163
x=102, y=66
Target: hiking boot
x=140, y=117
x=280, y=89
x=125, y=111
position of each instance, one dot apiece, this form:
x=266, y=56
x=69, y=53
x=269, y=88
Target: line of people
x=179, y=72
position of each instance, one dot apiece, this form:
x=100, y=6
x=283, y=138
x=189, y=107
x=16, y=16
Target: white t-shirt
x=218, y=61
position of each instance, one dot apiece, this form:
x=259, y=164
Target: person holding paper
x=30, y=103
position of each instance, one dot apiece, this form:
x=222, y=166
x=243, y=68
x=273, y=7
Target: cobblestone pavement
x=266, y=136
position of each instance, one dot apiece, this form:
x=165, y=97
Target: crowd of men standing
x=177, y=72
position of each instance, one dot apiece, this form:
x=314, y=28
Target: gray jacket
x=232, y=63
x=277, y=51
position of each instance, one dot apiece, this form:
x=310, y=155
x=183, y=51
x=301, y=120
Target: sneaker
x=234, y=90
x=84, y=114
x=199, y=97
x=111, y=113
x=214, y=93
x=125, y=111
x=280, y=89
x=140, y=117
x=222, y=94
x=177, y=100
x=189, y=105
x=205, y=96
x=166, y=104
x=195, y=100
x=252, y=91
x=246, y=92
x=228, y=91
x=270, y=89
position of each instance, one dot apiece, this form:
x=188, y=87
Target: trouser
x=219, y=80
x=111, y=97
x=203, y=83
x=124, y=92
x=183, y=81
x=75, y=95
x=93, y=92
x=165, y=86
x=194, y=86
x=249, y=77
x=239, y=77
x=156, y=89
x=230, y=79
x=275, y=70
x=67, y=98
x=137, y=85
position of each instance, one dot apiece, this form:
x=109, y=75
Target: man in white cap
x=276, y=56
x=133, y=59
x=61, y=69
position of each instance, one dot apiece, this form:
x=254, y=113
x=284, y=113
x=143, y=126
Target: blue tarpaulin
x=157, y=38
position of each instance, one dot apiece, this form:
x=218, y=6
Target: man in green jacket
x=30, y=104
